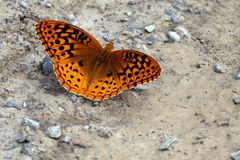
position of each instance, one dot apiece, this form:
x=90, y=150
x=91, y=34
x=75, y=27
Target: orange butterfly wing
x=72, y=50
x=127, y=69
x=75, y=54
x=63, y=40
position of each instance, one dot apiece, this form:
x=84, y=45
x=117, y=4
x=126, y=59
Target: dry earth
x=190, y=101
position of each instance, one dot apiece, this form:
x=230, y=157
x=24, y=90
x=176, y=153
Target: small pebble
x=168, y=142
x=26, y=157
x=153, y=38
x=108, y=37
x=136, y=23
x=176, y=18
x=54, y=131
x=183, y=32
x=46, y=66
x=96, y=103
x=3, y=45
x=173, y=36
x=144, y=47
x=66, y=139
x=73, y=98
x=23, y=3
x=224, y=123
x=27, y=46
x=20, y=138
x=236, y=100
x=178, y=4
x=218, y=69
x=150, y=28
x=86, y=127
x=237, y=77
x=27, y=149
x=48, y=5
x=12, y=104
x=132, y=2
x=235, y=155
x=31, y=123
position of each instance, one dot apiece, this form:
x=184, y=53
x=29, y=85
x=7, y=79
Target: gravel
x=150, y=28
x=173, y=36
x=235, y=155
x=54, y=131
x=236, y=100
x=31, y=123
x=218, y=68
x=167, y=143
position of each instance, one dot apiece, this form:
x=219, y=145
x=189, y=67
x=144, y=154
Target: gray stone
x=150, y=28
x=31, y=123
x=178, y=4
x=3, y=45
x=173, y=36
x=54, y=131
x=236, y=100
x=12, y=104
x=96, y=103
x=108, y=37
x=46, y=66
x=218, y=69
x=66, y=139
x=27, y=46
x=223, y=122
x=26, y=157
x=27, y=149
x=23, y=3
x=183, y=32
x=168, y=142
x=132, y=2
x=153, y=38
x=136, y=23
x=235, y=155
x=176, y=18
x=20, y=138
x=237, y=77
x=73, y=98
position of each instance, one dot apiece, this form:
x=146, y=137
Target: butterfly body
x=85, y=68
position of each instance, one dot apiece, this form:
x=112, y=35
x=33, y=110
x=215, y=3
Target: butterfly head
x=109, y=47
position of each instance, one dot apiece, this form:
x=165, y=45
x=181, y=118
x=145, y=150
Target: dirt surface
x=190, y=101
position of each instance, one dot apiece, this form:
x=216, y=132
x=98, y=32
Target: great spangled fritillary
x=85, y=68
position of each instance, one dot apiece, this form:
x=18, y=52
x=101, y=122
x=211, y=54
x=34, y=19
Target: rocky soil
x=191, y=112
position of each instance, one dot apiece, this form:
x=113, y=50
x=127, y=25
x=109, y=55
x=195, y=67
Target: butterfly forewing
x=63, y=40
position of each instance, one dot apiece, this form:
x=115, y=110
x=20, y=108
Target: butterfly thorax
x=100, y=63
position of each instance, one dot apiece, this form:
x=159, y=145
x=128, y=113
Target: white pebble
x=150, y=28
x=173, y=36
x=235, y=155
x=183, y=32
x=218, y=69
x=168, y=142
x=54, y=131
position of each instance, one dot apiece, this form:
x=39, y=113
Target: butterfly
x=85, y=68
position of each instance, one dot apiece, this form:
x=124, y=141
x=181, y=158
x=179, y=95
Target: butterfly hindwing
x=135, y=68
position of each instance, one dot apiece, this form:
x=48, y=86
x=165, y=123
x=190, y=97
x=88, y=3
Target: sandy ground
x=190, y=101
